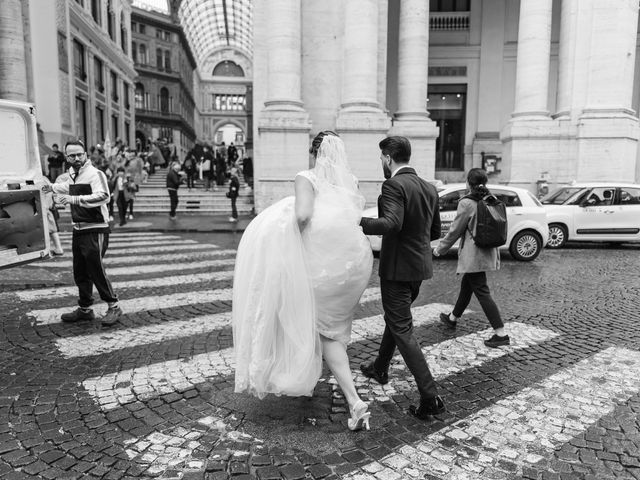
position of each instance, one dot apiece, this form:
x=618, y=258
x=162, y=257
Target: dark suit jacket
x=408, y=219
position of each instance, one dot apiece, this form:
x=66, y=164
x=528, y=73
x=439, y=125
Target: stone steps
x=153, y=198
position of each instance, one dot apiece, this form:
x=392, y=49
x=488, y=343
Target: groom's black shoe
x=428, y=407
x=369, y=370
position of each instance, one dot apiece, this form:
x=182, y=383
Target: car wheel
x=526, y=246
x=557, y=236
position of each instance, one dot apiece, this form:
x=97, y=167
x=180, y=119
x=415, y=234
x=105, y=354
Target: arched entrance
x=141, y=141
x=229, y=133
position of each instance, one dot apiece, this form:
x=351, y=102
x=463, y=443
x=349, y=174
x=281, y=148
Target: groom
x=408, y=218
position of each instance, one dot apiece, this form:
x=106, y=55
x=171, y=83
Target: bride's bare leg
x=335, y=354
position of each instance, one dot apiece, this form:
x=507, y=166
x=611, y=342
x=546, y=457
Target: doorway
x=447, y=107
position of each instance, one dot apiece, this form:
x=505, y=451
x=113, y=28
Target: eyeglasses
x=75, y=155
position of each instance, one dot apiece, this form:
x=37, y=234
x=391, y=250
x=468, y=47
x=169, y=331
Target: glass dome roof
x=211, y=25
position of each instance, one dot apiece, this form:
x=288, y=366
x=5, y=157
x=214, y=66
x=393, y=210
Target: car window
x=534, y=199
x=560, y=196
x=629, y=196
x=599, y=196
x=449, y=201
x=508, y=197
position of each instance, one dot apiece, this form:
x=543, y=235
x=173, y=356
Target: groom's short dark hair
x=397, y=147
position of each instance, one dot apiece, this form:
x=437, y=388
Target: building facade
x=82, y=72
x=533, y=90
x=164, y=90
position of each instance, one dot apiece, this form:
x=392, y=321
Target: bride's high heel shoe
x=359, y=417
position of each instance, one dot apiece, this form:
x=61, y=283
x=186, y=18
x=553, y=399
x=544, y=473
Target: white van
x=24, y=232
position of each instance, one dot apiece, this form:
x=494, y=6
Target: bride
x=301, y=268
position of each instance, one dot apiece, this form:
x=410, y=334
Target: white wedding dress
x=290, y=288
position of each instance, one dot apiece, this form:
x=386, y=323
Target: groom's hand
x=434, y=251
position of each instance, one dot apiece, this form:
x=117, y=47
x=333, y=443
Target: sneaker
x=495, y=341
x=78, y=315
x=112, y=316
x=233, y=220
x=172, y=218
x=446, y=320
x=56, y=254
x=111, y=218
x=130, y=217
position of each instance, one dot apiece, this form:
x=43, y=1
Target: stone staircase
x=154, y=199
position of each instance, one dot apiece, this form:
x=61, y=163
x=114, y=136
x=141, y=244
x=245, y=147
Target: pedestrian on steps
x=234, y=191
x=174, y=179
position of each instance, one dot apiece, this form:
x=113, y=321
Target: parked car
x=602, y=211
x=526, y=219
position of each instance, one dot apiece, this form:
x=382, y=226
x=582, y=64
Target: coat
x=471, y=258
x=408, y=218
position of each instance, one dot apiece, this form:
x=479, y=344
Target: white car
x=602, y=211
x=526, y=219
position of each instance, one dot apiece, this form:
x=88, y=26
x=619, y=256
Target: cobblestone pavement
x=152, y=397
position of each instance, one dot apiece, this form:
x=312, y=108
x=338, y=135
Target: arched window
x=164, y=100
x=227, y=68
x=139, y=96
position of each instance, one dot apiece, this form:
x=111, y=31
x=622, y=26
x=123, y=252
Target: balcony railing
x=449, y=21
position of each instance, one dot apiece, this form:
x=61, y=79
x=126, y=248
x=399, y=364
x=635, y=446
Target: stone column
x=361, y=121
x=608, y=129
x=567, y=56
x=285, y=56
x=13, y=70
x=412, y=118
x=532, y=68
x=283, y=123
x=529, y=139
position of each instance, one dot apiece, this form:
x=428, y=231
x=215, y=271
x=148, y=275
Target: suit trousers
x=88, y=269
x=397, y=298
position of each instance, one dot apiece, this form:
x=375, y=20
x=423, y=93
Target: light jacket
x=471, y=258
x=88, y=197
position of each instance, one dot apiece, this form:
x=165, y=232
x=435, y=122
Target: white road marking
x=143, y=383
x=523, y=428
x=133, y=305
x=135, y=259
x=52, y=315
x=166, y=268
x=59, y=292
x=127, y=250
x=110, y=341
x=121, y=234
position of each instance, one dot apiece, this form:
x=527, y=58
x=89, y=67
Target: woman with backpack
x=473, y=261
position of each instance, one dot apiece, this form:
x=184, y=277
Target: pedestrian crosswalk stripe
x=105, y=342
x=52, y=315
x=166, y=268
x=108, y=260
x=121, y=234
x=127, y=250
x=133, y=305
x=123, y=243
x=456, y=355
x=143, y=383
x=168, y=281
x=525, y=428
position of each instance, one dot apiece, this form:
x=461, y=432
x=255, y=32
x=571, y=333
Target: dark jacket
x=234, y=187
x=173, y=180
x=408, y=218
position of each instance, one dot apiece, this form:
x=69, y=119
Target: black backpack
x=491, y=223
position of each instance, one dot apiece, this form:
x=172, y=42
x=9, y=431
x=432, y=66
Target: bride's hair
x=315, y=143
